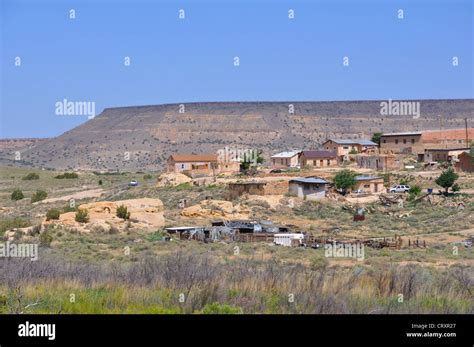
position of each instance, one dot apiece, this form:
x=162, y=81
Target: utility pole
x=467, y=133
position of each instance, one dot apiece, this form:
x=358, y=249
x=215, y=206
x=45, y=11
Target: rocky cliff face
x=141, y=138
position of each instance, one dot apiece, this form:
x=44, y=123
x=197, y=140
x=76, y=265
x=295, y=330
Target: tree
x=122, y=212
x=17, y=195
x=82, y=216
x=344, y=180
x=376, y=138
x=31, y=176
x=447, y=179
x=39, y=195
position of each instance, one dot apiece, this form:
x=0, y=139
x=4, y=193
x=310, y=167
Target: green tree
x=82, y=216
x=17, y=195
x=376, y=138
x=344, y=180
x=39, y=195
x=447, y=179
x=122, y=212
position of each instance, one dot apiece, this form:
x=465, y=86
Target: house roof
x=193, y=157
x=315, y=180
x=362, y=142
x=318, y=154
x=288, y=154
x=367, y=178
x=416, y=133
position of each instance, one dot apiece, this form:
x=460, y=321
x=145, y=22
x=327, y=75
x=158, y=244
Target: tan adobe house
x=440, y=154
x=285, y=159
x=345, y=146
x=369, y=184
x=465, y=163
x=318, y=158
x=193, y=163
x=378, y=161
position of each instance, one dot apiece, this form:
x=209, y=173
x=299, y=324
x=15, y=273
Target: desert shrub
x=100, y=182
x=82, y=216
x=52, y=214
x=31, y=176
x=122, y=212
x=39, y=195
x=455, y=187
x=46, y=238
x=17, y=195
x=147, y=177
x=67, y=175
x=344, y=180
x=8, y=224
x=183, y=186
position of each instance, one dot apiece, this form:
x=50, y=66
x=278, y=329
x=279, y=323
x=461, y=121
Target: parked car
x=401, y=188
x=133, y=183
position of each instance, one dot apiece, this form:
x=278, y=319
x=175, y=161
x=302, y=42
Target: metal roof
x=313, y=180
x=362, y=142
x=288, y=154
x=366, y=178
x=403, y=134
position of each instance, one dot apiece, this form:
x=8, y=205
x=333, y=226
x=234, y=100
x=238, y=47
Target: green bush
x=8, y=224
x=67, y=175
x=100, y=182
x=147, y=177
x=39, y=195
x=344, y=180
x=82, y=216
x=455, y=187
x=31, y=176
x=52, y=214
x=216, y=308
x=122, y=212
x=447, y=179
x=45, y=238
x=17, y=195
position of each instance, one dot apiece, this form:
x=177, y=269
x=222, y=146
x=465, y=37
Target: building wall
x=280, y=163
x=465, y=163
x=401, y=144
x=229, y=167
x=440, y=155
x=318, y=162
x=371, y=186
x=307, y=191
x=378, y=162
x=201, y=167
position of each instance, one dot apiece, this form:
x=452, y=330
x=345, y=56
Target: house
x=257, y=188
x=318, y=158
x=369, y=184
x=417, y=142
x=378, y=161
x=309, y=188
x=344, y=147
x=193, y=163
x=443, y=154
x=232, y=166
x=465, y=162
x=285, y=159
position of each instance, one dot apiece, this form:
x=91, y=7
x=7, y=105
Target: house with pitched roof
x=193, y=163
x=285, y=159
x=309, y=188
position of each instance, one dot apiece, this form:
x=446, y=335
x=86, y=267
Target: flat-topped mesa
x=143, y=137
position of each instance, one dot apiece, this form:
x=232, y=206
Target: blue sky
x=191, y=60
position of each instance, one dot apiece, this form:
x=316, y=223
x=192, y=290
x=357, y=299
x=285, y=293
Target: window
x=412, y=141
x=182, y=166
x=345, y=147
x=396, y=141
x=321, y=162
x=384, y=141
x=314, y=162
x=329, y=162
x=404, y=141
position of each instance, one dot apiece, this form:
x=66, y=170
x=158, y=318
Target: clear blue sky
x=191, y=60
